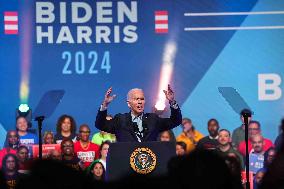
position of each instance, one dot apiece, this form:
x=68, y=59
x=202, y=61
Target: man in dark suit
x=136, y=125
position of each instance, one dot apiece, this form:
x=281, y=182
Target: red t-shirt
x=242, y=146
x=4, y=152
x=88, y=154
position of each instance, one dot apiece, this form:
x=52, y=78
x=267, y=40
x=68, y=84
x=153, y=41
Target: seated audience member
x=239, y=133
x=55, y=155
x=256, y=156
x=258, y=178
x=180, y=148
x=269, y=156
x=68, y=156
x=100, y=137
x=279, y=140
x=24, y=161
x=103, y=152
x=210, y=142
x=26, y=138
x=65, y=129
x=190, y=136
x=48, y=138
x=225, y=148
x=84, y=148
x=254, y=129
x=11, y=145
x=10, y=170
x=97, y=171
x=166, y=136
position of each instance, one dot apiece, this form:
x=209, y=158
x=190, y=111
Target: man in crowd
x=225, y=148
x=256, y=156
x=239, y=133
x=254, y=129
x=84, y=148
x=136, y=125
x=190, y=136
x=210, y=142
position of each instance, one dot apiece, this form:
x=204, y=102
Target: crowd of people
x=198, y=155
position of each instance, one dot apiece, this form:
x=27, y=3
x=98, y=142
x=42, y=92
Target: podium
x=133, y=158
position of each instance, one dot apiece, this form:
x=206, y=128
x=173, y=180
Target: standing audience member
x=256, y=156
x=269, y=156
x=48, y=138
x=68, y=156
x=167, y=136
x=254, y=129
x=11, y=145
x=180, y=148
x=279, y=140
x=210, y=142
x=97, y=171
x=103, y=152
x=10, y=170
x=24, y=161
x=239, y=133
x=26, y=138
x=100, y=137
x=65, y=129
x=84, y=148
x=190, y=136
x=225, y=148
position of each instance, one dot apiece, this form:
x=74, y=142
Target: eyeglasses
x=253, y=129
x=84, y=131
x=67, y=145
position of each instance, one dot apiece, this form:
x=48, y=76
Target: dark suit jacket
x=124, y=129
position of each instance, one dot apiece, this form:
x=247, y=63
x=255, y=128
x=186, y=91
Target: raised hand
x=169, y=94
x=108, y=97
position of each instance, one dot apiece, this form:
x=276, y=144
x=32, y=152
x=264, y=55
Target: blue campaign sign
x=84, y=47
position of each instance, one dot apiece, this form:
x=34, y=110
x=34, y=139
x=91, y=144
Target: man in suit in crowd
x=136, y=125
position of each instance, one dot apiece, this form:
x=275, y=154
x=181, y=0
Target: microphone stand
x=246, y=116
x=39, y=120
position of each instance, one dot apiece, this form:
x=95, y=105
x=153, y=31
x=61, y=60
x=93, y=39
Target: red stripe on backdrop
x=161, y=21
x=161, y=12
x=161, y=30
x=11, y=22
x=11, y=31
x=8, y=13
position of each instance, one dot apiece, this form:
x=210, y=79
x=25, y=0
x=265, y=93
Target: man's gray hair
x=129, y=94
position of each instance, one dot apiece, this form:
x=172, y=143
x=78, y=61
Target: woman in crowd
x=167, y=136
x=11, y=145
x=10, y=170
x=97, y=170
x=26, y=137
x=65, y=129
x=23, y=157
x=48, y=137
x=103, y=152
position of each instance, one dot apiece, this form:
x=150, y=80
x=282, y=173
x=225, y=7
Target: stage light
x=160, y=106
x=24, y=111
x=24, y=108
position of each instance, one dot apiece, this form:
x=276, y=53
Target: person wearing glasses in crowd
x=254, y=129
x=84, y=148
x=68, y=156
x=11, y=145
